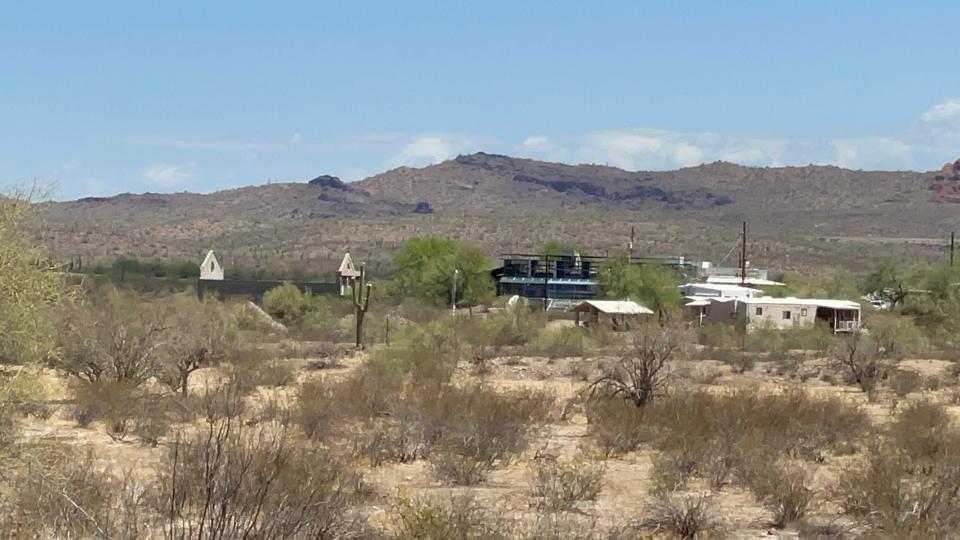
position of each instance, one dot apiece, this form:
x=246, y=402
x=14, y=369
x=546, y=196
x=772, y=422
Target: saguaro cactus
x=361, y=300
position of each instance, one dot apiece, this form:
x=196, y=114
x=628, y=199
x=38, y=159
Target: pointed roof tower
x=347, y=269
x=210, y=269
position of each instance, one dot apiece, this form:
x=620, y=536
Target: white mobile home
x=783, y=313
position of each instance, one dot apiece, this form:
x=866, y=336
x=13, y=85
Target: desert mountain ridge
x=519, y=201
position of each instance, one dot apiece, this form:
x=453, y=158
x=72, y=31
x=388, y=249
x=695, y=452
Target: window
x=759, y=311
x=786, y=315
x=803, y=312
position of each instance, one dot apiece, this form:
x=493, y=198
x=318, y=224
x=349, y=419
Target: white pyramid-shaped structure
x=210, y=269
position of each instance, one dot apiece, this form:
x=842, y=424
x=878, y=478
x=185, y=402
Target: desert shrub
x=560, y=486
x=222, y=401
x=458, y=466
x=721, y=336
x=63, y=494
x=765, y=340
x=739, y=362
x=783, y=490
x=719, y=436
x=895, y=335
x=818, y=337
x=476, y=428
x=615, y=425
x=641, y=375
x=462, y=519
x=234, y=481
x=256, y=368
x=564, y=342
x=682, y=515
x=316, y=409
x=924, y=432
x=902, y=382
x=427, y=355
x=111, y=401
x=151, y=420
x=287, y=304
x=668, y=474
x=895, y=503
x=860, y=357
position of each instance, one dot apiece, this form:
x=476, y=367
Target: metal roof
x=819, y=302
x=735, y=280
x=616, y=307
x=722, y=289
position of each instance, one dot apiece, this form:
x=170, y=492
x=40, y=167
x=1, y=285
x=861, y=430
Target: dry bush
x=893, y=502
x=316, y=409
x=62, y=495
x=475, y=428
x=784, y=490
x=560, y=343
x=462, y=519
x=108, y=400
x=560, y=486
x=720, y=436
x=861, y=359
x=924, y=432
x=226, y=481
x=256, y=368
x=910, y=483
x=642, y=374
x=685, y=516
x=902, y=382
x=616, y=425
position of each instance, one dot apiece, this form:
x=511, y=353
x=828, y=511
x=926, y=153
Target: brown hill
x=508, y=203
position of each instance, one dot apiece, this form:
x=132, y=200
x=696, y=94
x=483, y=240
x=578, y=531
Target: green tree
x=287, y=304
x=653, y=285
x=834, y=283
x=893, y=281
x=198, y=334
x=425, y=269
x=936, y=303
x=29, y=287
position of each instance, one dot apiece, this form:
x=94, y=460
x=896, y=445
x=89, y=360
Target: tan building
x=783, y=313
x=615, y=314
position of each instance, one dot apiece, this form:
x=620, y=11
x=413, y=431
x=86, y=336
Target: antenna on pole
x=743, y=256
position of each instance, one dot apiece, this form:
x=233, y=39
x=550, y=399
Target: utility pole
x=743, y=256
x=453, y=294
x=630, y=246
x=951, y=248
x=546, y=280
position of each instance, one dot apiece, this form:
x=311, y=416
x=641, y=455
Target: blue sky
x=108, y=97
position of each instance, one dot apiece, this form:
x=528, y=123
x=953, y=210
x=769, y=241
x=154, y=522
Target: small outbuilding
x=615, y=314
x=346, y=273
x=210, y=269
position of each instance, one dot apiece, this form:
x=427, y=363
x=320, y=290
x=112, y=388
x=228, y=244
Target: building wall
x=772, y=315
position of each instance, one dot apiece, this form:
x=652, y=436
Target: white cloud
x=932, y=139
x=538, y=143
x=165, y=176
x=432, y=148
x=946, y=111
x=295, y=138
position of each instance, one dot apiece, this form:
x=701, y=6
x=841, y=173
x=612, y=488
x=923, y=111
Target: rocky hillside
x=510, y=198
